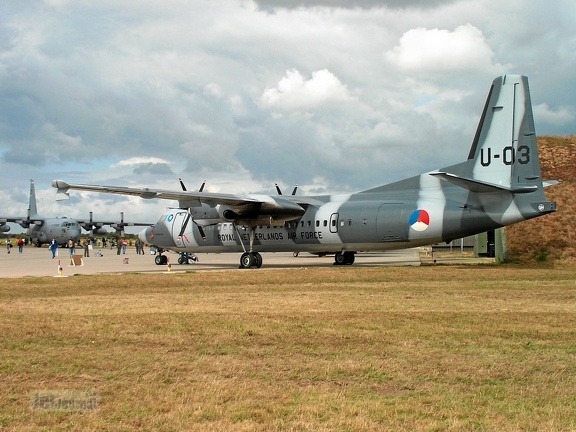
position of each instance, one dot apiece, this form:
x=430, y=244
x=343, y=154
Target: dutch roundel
x=419, y=220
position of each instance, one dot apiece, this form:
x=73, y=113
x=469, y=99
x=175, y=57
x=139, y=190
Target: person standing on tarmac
x=53, y=248
x=71, y=247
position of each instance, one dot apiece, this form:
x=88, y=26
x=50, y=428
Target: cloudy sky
x=333, y=95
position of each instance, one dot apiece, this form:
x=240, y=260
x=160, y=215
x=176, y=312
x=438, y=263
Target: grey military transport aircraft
x=499, y=184
x=42, y=229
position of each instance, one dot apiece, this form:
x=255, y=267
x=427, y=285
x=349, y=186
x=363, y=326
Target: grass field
x=349, y=349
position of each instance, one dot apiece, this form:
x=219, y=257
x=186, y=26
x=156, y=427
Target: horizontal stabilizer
x=479, y=186
x=547, y=183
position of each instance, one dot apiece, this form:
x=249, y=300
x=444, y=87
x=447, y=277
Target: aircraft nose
x=146, y=235
x=75, y=232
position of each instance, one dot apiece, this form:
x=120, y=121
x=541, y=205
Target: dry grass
x=551, y=238
x=358, y=349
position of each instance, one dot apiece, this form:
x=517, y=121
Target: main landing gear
x=344, y=258
x=249, y=259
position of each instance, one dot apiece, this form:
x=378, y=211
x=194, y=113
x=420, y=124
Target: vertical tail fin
x=504, y=151
x=503, y=158
x=32, y=208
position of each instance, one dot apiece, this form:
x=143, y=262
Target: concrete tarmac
x=39, y=262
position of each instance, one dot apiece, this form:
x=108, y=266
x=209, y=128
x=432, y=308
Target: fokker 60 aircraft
x=42, y=229
x=499, y=184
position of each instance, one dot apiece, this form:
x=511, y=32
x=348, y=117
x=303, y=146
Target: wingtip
x=60, y=184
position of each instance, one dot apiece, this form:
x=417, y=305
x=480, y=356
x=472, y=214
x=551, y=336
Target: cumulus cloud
x=294, y=92
x=330, y=94
x=437, y=50
x=559, y=116
x=145, y=165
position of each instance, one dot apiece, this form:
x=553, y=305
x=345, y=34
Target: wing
x=240, y=208
x=23, y=221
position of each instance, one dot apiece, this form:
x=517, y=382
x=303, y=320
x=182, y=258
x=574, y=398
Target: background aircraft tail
x=32, y=208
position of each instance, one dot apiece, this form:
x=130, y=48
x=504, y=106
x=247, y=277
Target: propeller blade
x=182, y=184
x=122, y=224
x=295, y=189
x=278, y=189
x=200, y=230
x=185, y=224
x=202, y=186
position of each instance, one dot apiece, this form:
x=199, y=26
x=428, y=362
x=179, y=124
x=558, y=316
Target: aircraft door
x=334, y=223
x=392, y=223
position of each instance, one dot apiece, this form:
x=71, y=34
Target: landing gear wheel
x=258, y=259
x=247, y=260
x=250, y=260
x=344, y=258
x=161, y=260
x=339, y=259
x=349, y=258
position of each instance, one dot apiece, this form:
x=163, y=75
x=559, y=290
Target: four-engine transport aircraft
x=42, y=229
x=499, y=184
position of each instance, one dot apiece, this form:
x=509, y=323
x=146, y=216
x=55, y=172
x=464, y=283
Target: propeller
x=185, y=224
x=189, y=212
x=280, y=192
x=184, y=186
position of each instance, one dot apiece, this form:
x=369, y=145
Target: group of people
x=86, y=245
x=20, y=243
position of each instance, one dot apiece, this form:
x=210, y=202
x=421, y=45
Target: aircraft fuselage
x=59, y=229
x=430, y=211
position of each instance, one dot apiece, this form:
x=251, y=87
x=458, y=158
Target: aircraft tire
x=161, y=260
x=349, y=258
x=340, y=258
x=258, y=259
x=247, y=260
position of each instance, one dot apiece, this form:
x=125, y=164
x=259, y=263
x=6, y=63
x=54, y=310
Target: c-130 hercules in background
x=42, y=229
x=499, y=184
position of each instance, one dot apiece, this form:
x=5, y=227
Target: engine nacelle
x=226, y=213
x=100, y=231
x=4, y=228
